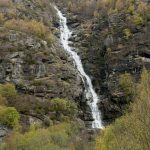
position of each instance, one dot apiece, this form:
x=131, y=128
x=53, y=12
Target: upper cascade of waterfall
x=92, y=97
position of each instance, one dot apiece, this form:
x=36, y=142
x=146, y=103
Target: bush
x=56, y=137
x=143, y=9
x=127, y=33
x=30, y=26
x=1, y=18
x=9, y=117
x=50, y=38
x=38, y=82
x=131, y=9
x=3, y=101
x=63, y=106
x=126, y=84
x=27, y=104
x=8, y=90
x=138, y=20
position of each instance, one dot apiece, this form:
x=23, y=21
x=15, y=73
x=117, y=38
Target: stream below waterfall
x=91, y=96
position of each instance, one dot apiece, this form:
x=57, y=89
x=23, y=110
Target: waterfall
x=91, y=96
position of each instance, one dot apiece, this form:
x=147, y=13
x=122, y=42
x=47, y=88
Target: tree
x=8, y=90
x=131, y=131
x=9, y=117
x=126, y=84
x=63, y=106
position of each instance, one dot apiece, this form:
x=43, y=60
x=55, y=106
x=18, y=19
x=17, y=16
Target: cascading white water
x=91, y=95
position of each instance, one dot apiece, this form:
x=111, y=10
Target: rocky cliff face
x=31, y=62
x=37, y=67
x=110, y=45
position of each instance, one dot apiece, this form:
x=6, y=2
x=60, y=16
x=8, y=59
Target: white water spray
x=91, y=95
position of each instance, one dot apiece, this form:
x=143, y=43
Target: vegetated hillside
x=31, y=55
x=113, y=39
x=38, y=84
x=56, y=126
x=132, y=131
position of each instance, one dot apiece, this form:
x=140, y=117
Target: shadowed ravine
x=91, y=96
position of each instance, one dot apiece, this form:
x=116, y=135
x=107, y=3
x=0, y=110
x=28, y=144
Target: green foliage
x=1, y=18
x=61, y=109
x=138, y=20
x=9, y=117
x=96, y=14
x=131, y=132
x=63, y=106
x=127, y=33
x=30, y=26
x=126, y=84
x=135, y=12
x=143, y=10
x=3, y=101
x=131, y=9
x=8, y=91
x=38, y=82
x=56, y=137
x=50, y=38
